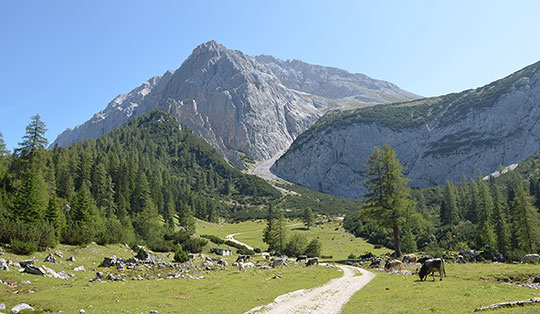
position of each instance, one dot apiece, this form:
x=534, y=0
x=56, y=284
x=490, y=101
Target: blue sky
x=67, y=59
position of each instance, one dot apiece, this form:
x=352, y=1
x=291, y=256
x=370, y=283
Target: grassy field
x=466, y=288
x=223, y=291
x=336, y=241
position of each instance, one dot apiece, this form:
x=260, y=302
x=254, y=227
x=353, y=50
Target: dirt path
x=328, y=298
x=231, y=238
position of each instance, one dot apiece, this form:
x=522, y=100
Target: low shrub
x=23, y=247
x=181, y=256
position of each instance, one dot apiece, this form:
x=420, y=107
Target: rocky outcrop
x=239, y=103
x=436, y=139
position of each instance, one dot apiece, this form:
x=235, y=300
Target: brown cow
x=393, y=264
x=409, y=259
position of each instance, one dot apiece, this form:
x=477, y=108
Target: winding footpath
x=328, y=298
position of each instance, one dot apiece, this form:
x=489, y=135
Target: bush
x=314, y=248
x=213, y=238
x=161, y=245
x=244, y=251
x=23, y=247
x=257, y=250
x=181, y=256
x=296, y=246
x=194, y=245
x=351, y=256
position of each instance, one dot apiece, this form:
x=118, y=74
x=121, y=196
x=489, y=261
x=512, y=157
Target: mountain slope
x=239, y=103
x=436, y=139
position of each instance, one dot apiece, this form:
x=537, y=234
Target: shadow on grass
x=301, y=228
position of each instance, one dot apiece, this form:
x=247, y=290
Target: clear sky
x=67, y=59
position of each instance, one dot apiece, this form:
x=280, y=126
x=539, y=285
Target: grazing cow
x=241, y=267
x=222, y=263
x=243, y=258
x=301, y=258
x=430, y=267
x=376, y=263
x=531, y=259
x=277, y=261
x=266, y=255
x=312, y=261
x=409, y=259
x=393, y=264
x=424, y=258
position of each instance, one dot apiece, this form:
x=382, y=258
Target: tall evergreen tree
x=501, y=224
x=388, y=196
x=525, y=222
x=55, y=216
x=269, y=234
x=281, y=232
x=449, y=212
x=31, y=198
x=484, y=212
x=34, y=139
x=308, y=217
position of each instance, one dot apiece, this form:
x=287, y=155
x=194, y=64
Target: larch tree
x=388, y=196
x=526, y=221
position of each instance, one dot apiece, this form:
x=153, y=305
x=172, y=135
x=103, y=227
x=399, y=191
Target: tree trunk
x=397, y=241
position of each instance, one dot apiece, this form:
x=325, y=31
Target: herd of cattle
x=430, y=265
x=244, y=261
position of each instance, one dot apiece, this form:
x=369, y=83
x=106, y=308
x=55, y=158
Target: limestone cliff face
x=230, y=99
x=436, y=139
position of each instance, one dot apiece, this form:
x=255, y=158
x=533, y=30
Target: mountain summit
x=241, y=104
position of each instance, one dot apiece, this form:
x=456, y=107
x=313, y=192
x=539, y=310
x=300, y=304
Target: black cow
x=430, y=267
x=301, y=258
x=312, y=261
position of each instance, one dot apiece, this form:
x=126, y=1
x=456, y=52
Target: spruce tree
x=34, y=140
x=525, y=222
x=484, y=211
x=501, y=224
x=269, y=233
x=281, y=232
x=388, y=196
x=308, y=217
x=31, y=198
x=449, y=209
x=55, y=216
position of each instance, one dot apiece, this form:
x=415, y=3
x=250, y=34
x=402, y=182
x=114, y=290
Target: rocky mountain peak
x=242, y=105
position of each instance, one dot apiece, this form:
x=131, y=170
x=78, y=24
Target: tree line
x=142, y=183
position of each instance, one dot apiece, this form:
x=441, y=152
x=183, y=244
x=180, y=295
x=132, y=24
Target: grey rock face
x=479, y=137
x=333, y=83
x=236, y=102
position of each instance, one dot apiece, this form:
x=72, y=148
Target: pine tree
x=472, y=204
x=31, y=198
x=525, y=221
x=388, y=196
x=501, y=225
x=269, y=234
x=55, y=216
x=281, y=232
x=449, y=209
x=81, y=211
x=3, y=150
x=34, y=140
x=484, y=211
x=308, y=217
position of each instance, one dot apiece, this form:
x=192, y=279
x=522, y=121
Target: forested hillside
x=492, y=215
x=140, y=182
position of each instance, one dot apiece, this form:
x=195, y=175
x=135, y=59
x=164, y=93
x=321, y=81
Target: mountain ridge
x=437, y=139
x=231, y=100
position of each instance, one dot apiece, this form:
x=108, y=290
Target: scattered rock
x=2, y=306
x=153, y=311
x=19, y=307
x=70, y=259
x=108, y=262
x=26, y=262
x=99, y=274
x=80, y=268
x=277, y=276
x=115, y=277
x=264, y=267
x=52, y=273
x=82, y=311
x=59, y=254
x=34, y=270
x=26, y=281
x=50, y=258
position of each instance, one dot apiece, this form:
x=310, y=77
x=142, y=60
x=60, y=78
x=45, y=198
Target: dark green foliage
x=388, y=198
x=181, y=256
x=194, y=245
x=296, y=245
x=213, y=238
x=313, y=248
x=308, y=217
